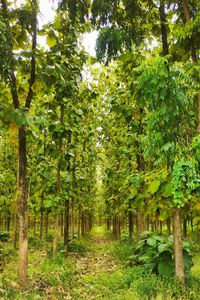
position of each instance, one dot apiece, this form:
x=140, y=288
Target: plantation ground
x=93, y=269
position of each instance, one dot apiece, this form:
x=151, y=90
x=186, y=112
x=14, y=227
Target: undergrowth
x=60, y=279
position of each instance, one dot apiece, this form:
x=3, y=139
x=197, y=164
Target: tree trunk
x=108, y=223
x=187, y=19
x=61, y=225
x=191, y=223
x=165, y=47
x=139, y=223
x=46, y=224
x=55, y=240
x=41, y=216
x=66, y=223
x=185, y=227
x=130, y=222
x=168, y=226
x=15, y=228
x=83, y=224
x=72, y=219
x=58, y=184
x=34, y=222
x=178, y=252
x=23, y=208
x=79, y=221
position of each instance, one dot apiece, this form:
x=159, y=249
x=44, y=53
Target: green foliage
x=156, y=253
x=35, y=242
x=4, y=236
x=79, y=246
x=110, y=43
x=55, y=273
x=185, y=180
x=123, y=250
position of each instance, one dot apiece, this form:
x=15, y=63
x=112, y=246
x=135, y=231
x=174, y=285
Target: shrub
x=78, y=246
x=156, y=253
x=4, y=236
x=123, y=250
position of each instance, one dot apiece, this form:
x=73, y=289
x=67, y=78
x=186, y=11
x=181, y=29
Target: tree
x=10, y=67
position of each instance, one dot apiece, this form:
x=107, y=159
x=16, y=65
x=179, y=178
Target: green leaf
x=133, y=191
x=51, y=39
x=153, y=186
x=167, y=190
x=165, y=269
x=151, y=241
x=188, y=263
x=164, y=247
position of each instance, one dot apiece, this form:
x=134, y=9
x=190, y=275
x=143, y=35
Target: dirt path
x=97, y=265
x=98, y=260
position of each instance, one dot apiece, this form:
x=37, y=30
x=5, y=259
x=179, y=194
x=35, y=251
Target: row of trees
x=153, y=160
x=128, y=134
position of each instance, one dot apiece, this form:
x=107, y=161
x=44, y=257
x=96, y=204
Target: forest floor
x=92, y=269
x=90, y=272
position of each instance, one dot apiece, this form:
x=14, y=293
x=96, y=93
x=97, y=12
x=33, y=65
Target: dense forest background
x=109, y=140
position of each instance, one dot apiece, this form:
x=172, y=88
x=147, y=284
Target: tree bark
x=46, y=224
x=66, y=223
x=168, y=222
x=41, y=216
x=130, y=222
x=178, y=252
x=23, y=208
x=55, y=240
x=165, y=46
x=139, y=223
x=67, y=206
x=58, y=185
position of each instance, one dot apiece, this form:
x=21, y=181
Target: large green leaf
x=133, y=191
x=153, y=186
x=165, y=269
x=151, y=241
x=187, y=257
x=167, y=190
x=51, y=39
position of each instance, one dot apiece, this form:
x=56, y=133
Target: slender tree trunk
x=72, y=219
x=108, y=223
x=165, y=46
x=168, y=226
x=8, y=221
x=66, y=223
x=41, y=216
x=67, y=204
x=185, y=227
x=61, y=225
x=15, y=227
x=118, y=227
x=114, y=226
x=79, y=221
x=46, y=224
x=23, y=208
x=34, y=222
x=187, y=19
x=178, y=252
x=139, y=223
x=191, y=223
x=55, y=240
x=58, y=185
x=161, y=227
x=83, y=224
x=130, y=222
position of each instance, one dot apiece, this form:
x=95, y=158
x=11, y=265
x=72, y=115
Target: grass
x=62, y=279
